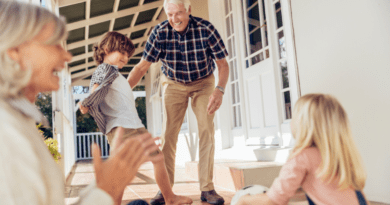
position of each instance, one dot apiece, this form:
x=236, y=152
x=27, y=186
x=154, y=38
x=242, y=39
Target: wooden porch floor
x=142, y=187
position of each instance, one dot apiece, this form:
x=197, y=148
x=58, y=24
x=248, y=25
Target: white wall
x=343, y=48
x=199, y=8
x=223, y=114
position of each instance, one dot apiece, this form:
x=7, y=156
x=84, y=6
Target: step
x=236, y=174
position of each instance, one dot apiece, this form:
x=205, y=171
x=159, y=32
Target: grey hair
x=20, y=23
x=186, y=3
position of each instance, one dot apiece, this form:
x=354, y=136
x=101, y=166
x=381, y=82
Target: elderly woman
x=30, y=57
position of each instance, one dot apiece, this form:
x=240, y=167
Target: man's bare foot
x=177, y=200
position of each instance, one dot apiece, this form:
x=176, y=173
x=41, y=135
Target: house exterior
x=278, y=50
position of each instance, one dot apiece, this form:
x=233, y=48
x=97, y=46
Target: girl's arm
x=83, y=109
x=255, y=199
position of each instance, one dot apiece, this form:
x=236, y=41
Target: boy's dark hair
x=112, y=41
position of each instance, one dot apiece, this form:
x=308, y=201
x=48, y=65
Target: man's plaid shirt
x=188, y=57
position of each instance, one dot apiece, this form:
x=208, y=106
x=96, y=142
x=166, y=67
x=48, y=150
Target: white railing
x=83, y=143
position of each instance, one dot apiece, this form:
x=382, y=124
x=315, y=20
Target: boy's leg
x=110, y=138
x=162, y=180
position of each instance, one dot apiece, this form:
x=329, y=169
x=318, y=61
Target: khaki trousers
x=176, y=98
x=127, y=133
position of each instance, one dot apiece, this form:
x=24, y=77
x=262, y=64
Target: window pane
x=233, y=47
x=237, y=92
x=239, y=116
x=287, y=104
x=234, y=117
x=278, y=15
x=235, y=70
x=251, y=2
x=255, y=41
x=265, y=29
x=257, y=58
x=226, y=7
x=253, y=15
x=231, y=23
x=283, y=66
x=282, y=45
x=267, y=53
x=230, y=5
x=233, y=94
x=228, y=26
x=231, y=67
x=263, y=10
x=230, y=48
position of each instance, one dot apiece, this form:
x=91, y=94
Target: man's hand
x=83, y=109
x=114, y=174
x=215, y=101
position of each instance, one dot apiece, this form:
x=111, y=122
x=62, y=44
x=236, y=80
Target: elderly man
x=187, y=47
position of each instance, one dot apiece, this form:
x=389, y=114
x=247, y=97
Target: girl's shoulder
x=311, y=155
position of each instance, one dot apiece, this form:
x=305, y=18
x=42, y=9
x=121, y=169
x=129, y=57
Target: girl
x=324, y=162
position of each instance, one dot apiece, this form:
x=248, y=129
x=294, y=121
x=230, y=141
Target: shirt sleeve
x=216, y=44
x=152, y=48
x=290, y=178
x=98, y=76
x=94, y=195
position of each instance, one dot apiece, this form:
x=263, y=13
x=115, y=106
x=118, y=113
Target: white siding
x=343, y=48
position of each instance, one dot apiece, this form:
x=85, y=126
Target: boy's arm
x=83, y=109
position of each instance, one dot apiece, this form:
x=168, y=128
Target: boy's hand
x=83, y=109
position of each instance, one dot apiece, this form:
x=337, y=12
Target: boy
x=113, y=106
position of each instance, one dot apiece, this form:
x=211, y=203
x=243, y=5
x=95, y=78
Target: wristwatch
x=221, y=89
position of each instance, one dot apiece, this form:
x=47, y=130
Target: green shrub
x=51, y=144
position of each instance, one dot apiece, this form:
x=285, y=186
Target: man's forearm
x=134, y=77
x=137, y=72
x=223, y=73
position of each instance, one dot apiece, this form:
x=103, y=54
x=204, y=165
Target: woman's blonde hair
x=186, y=3
x=320, y=121
x=20, y=23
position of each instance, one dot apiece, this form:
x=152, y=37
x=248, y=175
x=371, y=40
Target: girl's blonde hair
x=20, y=23
x=320, y=121
x=186, y=3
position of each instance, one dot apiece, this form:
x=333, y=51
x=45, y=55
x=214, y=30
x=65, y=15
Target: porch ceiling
x=88, y=20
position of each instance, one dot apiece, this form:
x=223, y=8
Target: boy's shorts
x=128, y=132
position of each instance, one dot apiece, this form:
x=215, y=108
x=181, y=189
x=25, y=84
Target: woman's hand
x=83, y=109
x=114, y=174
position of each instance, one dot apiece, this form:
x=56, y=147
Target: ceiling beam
x=85, y=66
x=123, y=31
x=83, y=74
x=63, y=3
x=105, y=17
x=90, y=54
